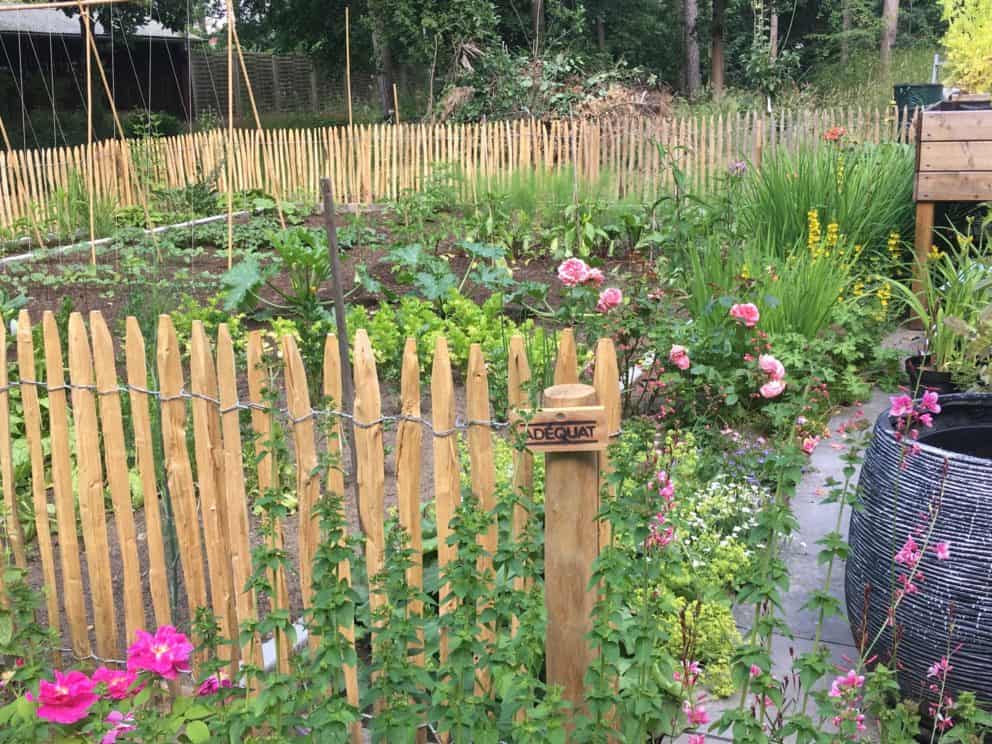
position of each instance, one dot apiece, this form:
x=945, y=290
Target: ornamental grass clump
x=866, y=189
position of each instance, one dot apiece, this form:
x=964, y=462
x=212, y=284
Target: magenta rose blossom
x=746, y=314
x=573, y=272
x=166, y=653
x=120, y=683
x=66, y=700
x=772, y=389
x=608, y=299
x=212, y=684
x=679, y=356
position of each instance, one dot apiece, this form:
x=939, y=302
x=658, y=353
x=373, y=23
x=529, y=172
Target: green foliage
x=968, y=42
x=865, y=189
x=955, y=301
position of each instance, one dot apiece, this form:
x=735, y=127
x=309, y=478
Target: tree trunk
x=773, y=36
x=387, y=76
x=601, y=33
x=845, y=30
x=537, y=24
x=693, y=76
x=890, y=22
x=716, y=47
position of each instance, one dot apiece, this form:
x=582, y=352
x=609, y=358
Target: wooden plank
x=335, y=485
x=65, y=511
x=90, y=475
x=955, y=156
x=237, y=501
x=480, y=448
x=137, y=378
x=307, y=483
x=447, y=493
x=606, y=380
x=178, y=469
x=519, y=377
x=409, y=440
x=209, y=451
x=371, y=468
x=118, y=476
x=11, y=520
x=567, y=363
x=956, y=125
x=974, y=186
x=261, y=424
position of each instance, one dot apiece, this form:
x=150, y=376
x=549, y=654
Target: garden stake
x=348, y=399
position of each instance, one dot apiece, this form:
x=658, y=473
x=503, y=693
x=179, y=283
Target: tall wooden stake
x=396, y=105
x=348, y=389
x=228, y=165
x=347, y=59
x=89, y=135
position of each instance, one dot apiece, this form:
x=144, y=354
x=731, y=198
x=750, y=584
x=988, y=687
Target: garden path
x=815, y=519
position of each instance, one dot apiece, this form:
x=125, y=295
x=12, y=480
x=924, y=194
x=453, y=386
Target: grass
x=860, y=80
x=866, y=190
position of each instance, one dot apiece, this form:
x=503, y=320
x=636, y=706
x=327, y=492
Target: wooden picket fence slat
x=369, y=163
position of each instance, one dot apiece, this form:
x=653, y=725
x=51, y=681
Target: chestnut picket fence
x=82, y=447
x=372, y=163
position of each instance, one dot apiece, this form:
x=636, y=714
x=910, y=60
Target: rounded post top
x=569, y=395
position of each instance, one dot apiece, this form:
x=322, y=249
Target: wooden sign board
x=578, y=429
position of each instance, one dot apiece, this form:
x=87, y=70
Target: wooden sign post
x=570, y=430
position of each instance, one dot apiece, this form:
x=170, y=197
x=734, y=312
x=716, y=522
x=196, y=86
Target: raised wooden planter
x=953, y=160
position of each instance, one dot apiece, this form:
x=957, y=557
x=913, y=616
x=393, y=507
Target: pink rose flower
x=746, y=313
x=66, y=700
x=595, y=277
x=166, y=653
x=696, y=739
x=942, y=550
x=608, y=299
x=573, y=272
x=679, y=356
x=120, y=683
x=771, y=366
x=122, y=724
x=772, y=389
x=809, y=444
x=755, y=671
x=900, y=405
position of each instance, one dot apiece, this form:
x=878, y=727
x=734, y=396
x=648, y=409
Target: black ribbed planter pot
x=960, y=445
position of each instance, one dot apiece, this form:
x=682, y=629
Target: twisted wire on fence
x=461, y=424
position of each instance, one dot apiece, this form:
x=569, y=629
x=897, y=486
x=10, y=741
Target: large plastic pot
x=952, y=473
x=912, y=96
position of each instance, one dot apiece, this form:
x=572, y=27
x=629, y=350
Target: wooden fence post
x=571, y=544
